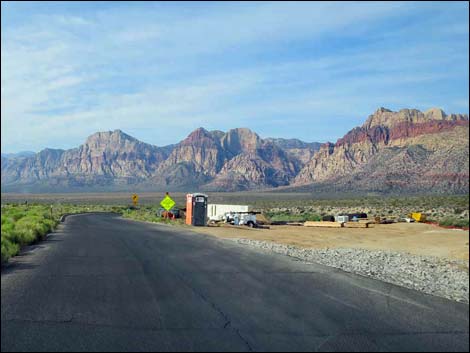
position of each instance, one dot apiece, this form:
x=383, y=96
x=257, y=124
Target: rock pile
x=436, y=276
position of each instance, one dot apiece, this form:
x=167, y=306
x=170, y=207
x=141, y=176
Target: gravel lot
x=432, y=275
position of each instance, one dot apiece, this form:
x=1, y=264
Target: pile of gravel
x=436, y=276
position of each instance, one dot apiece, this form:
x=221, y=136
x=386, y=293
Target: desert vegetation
x=445, y=210
x=24, y=223
x=454, y=222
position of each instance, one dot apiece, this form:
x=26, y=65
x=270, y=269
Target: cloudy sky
x=159, y=70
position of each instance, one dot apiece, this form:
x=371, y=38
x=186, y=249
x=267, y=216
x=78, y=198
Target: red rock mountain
x=117, y=161
x=405, y=151
x=396, y=151
x=105, y=158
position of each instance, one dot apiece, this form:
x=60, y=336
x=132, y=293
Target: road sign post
x=135, y=199
x=167, y=203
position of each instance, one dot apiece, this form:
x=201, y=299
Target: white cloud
x=66, y=76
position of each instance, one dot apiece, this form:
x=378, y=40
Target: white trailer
x=217, y=212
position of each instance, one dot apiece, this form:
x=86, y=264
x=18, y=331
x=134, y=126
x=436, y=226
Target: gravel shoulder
x=415, y=256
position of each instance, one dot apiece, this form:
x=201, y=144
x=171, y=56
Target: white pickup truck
x=241, y=219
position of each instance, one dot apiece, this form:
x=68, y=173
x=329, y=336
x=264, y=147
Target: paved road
x=103, y=283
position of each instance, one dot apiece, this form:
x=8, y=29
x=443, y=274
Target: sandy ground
x=414, y=238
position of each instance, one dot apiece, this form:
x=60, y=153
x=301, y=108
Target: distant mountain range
x=235, y=160
x=19, y=154
x=392, y=152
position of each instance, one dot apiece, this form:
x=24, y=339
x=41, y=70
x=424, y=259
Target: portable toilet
x=196, y=209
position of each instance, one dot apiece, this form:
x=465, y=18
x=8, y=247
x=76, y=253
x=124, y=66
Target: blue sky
x=159, y=70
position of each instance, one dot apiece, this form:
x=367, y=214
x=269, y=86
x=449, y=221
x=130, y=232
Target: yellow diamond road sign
x=135, y=199
x=167, y=203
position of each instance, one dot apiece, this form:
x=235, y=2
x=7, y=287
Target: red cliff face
x=403, y=149
x=376, y=134
x=407, y=130
x=400, y=130
x=199, y=137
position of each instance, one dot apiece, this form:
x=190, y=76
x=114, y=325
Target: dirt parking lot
x=414, y=238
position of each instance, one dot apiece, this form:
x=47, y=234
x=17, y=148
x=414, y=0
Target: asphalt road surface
x=103, y=283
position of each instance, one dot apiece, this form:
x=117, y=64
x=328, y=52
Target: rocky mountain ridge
x=115, y=160
x=404, y=151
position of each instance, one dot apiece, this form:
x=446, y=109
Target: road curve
x=103, y=283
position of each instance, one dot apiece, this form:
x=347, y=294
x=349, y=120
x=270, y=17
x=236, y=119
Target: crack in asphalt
x=145, y=274
x=204, y=298
x=232, y=322
x=237, y=331
x=214, y=306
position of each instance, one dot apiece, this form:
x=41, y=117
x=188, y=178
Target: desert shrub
x=9, y=249
x=454, y=222
x=313, y=217
x=7, y=226
x=28, y=230
x=25, y=224
x=16, y=215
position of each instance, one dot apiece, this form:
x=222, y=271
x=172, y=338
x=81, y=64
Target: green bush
x=27, y=224
x=461, y=223
x=23, y=225
x=9, y=249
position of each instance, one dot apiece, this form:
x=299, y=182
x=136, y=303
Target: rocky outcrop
x=396, y=151
x=261, y=163
x=115, y=160
x=236, y=160
x=404, y=151
x=302, y=151
x=201, y=151
x=107, y=158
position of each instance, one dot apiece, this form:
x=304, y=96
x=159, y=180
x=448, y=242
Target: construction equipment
x=418, y=216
